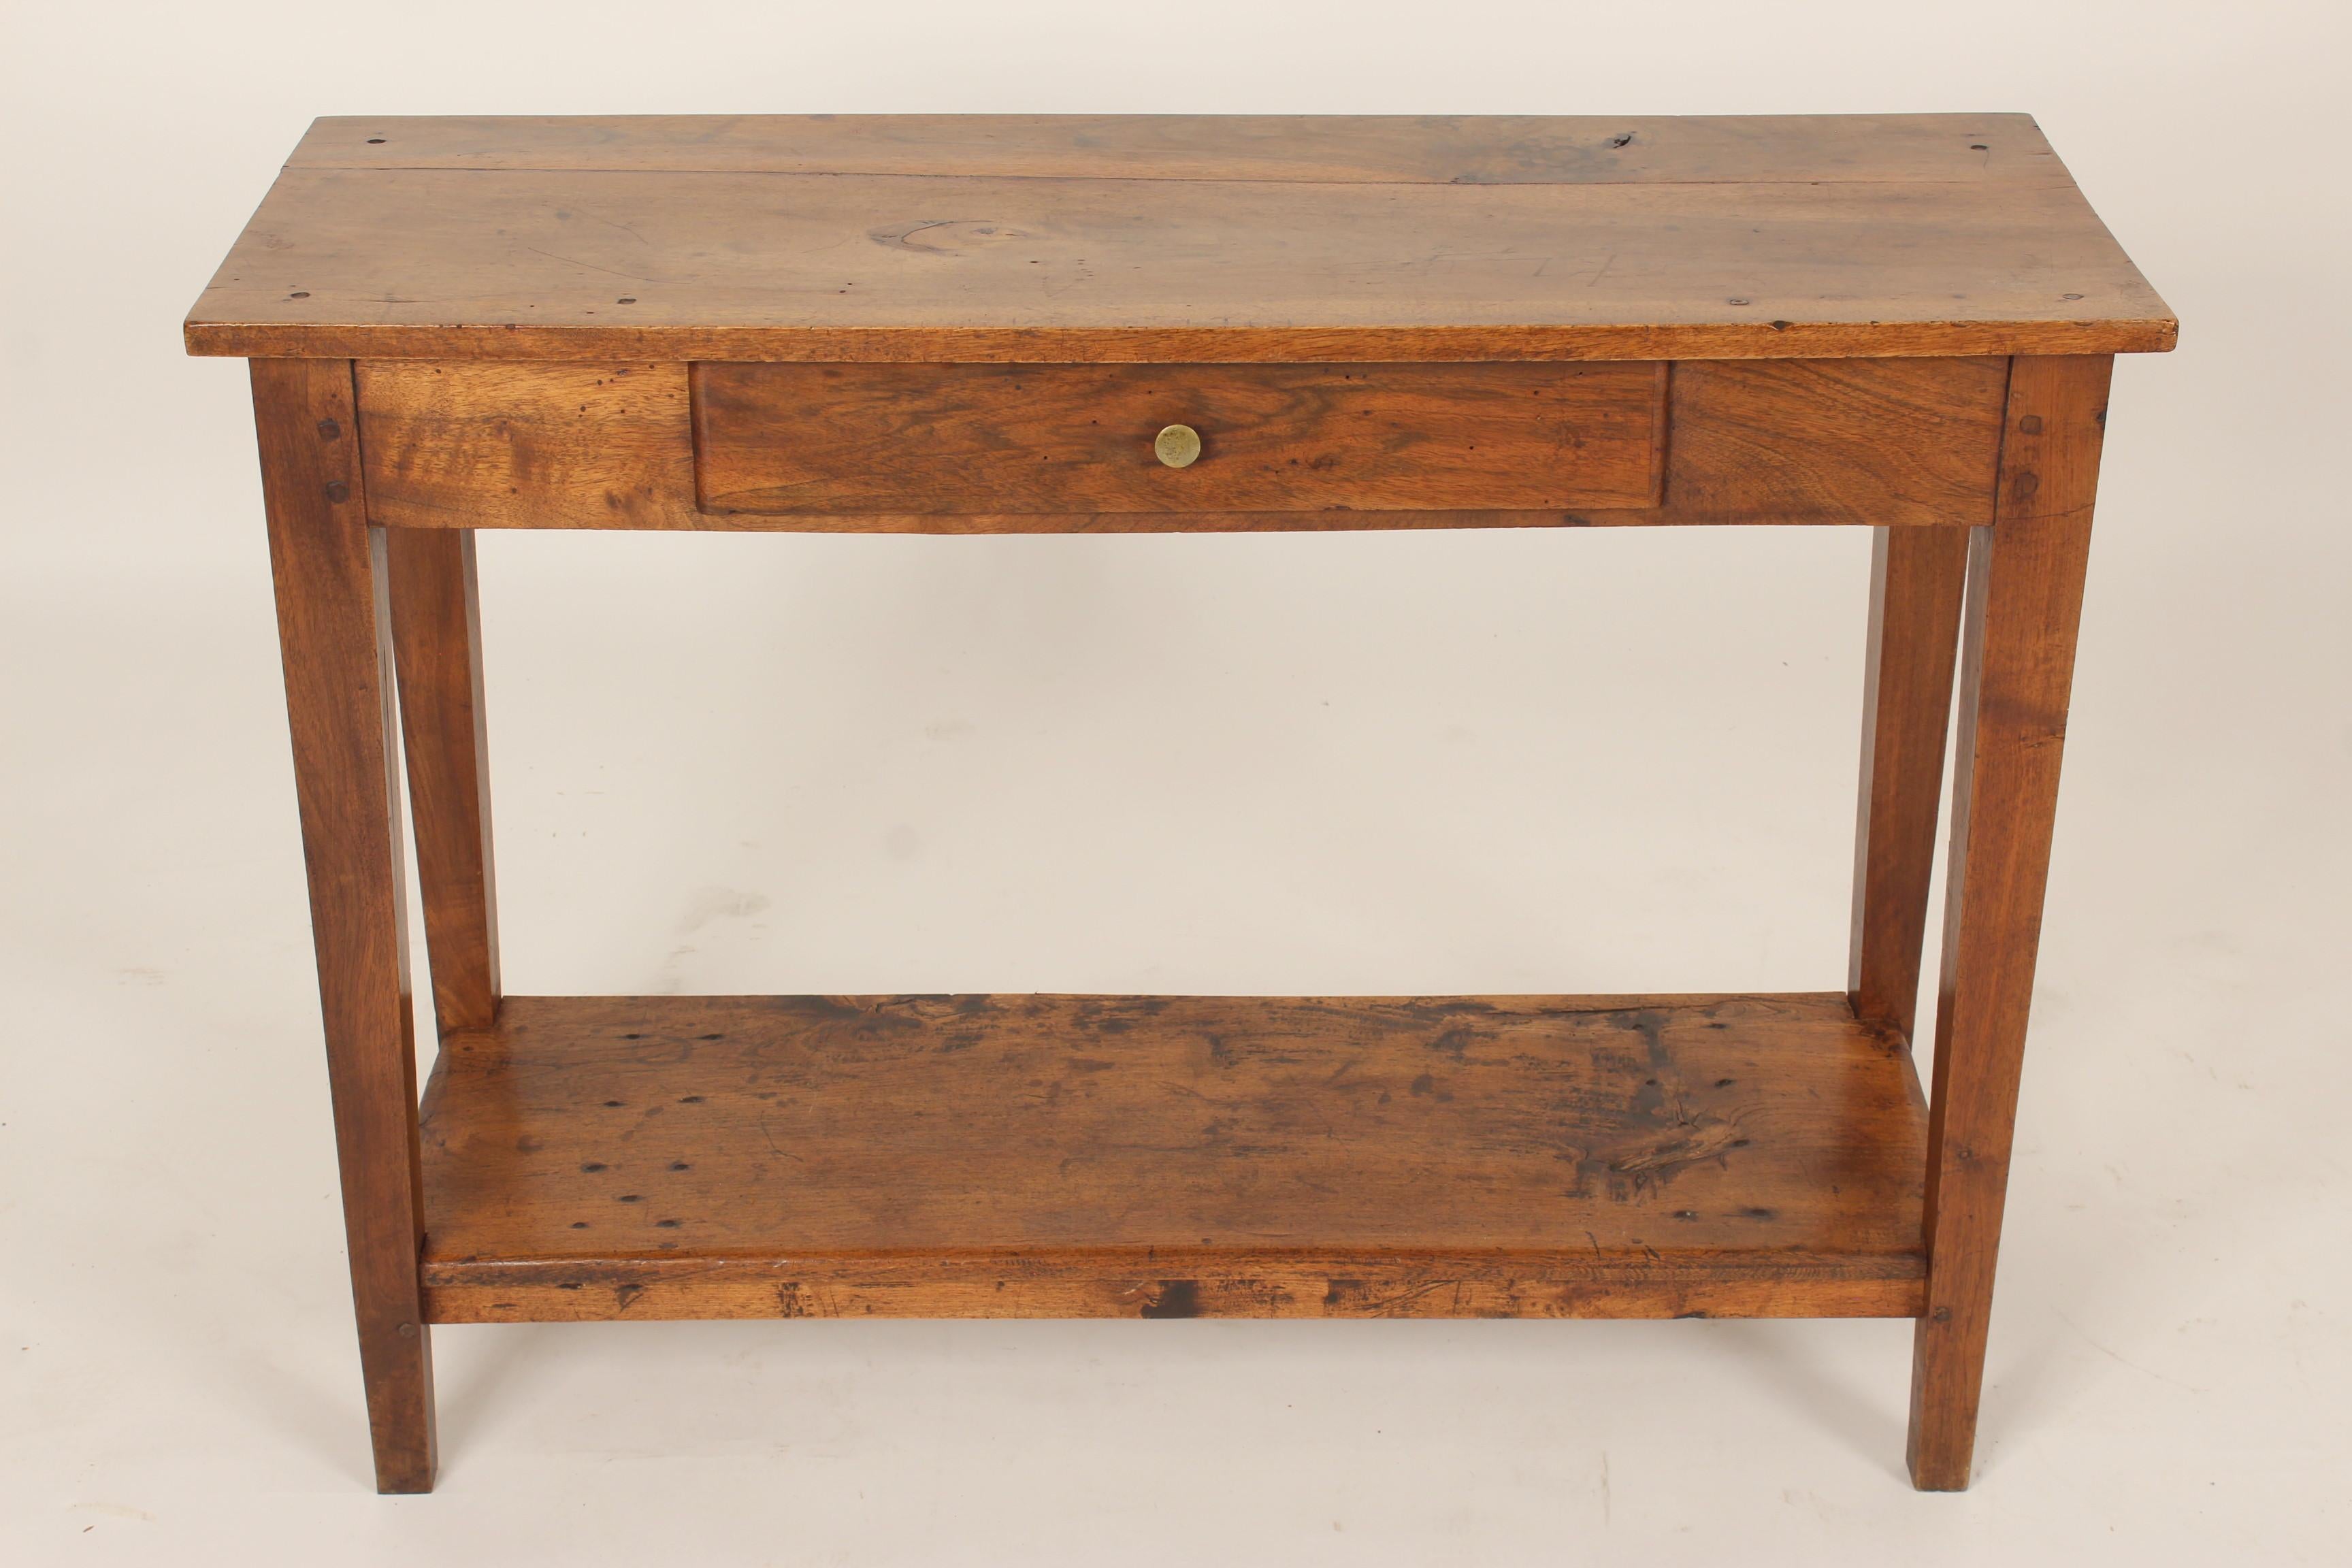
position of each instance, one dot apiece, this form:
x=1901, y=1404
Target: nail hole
x=2070, y=296
x=593, y=1165
x=679, y=1165
x=375, y=140
x=631, y=1198
x=299, y=294
x=626, y=299
x=666, y=1224
x=1978, y=147
x=579, y=1224
x=613, y=1104
x=690, y=1099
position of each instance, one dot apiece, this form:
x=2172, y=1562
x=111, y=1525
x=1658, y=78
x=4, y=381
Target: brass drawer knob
x=1177, y=446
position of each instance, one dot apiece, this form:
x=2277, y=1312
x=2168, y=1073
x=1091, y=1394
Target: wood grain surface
x=1188, y=240
x=825, y=439
x=1462, y=150
x=1850, y=442
x=1028, y=1155
x=334, y=630
x=2024, y=605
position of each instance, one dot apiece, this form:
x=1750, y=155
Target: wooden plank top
x=1174, y=238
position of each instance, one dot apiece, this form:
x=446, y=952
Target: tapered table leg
x=436, y=637
x=333, y=624
x=2024, y=602
x=1916, y=579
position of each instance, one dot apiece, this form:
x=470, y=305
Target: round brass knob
x=1177, y=446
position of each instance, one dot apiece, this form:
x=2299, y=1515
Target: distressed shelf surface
x=1064, y=1156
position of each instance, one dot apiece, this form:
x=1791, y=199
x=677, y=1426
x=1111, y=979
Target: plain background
x=1514, y=762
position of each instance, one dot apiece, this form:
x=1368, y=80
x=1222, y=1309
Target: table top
x=1149, y=238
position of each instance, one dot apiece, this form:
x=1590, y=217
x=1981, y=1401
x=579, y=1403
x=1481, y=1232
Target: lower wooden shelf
x=1088, y=1156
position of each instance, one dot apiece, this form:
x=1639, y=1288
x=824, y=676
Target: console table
x=1142, y=324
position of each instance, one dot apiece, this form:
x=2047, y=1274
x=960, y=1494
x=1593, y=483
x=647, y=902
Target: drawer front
x=834, y=439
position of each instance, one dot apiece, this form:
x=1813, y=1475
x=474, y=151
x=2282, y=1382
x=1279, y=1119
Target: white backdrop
x=1507, y=762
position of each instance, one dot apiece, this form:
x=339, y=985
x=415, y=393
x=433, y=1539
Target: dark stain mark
x=710, y=1036
x=2023, y=487
x=593, y=1165
x=1455, y=1043
x=689, y=1100
x=1754, y=1212
x=633, y=1037
x=1338, y=1292
x=1177, y=1299
x=679, y=1165
x=2030, y=425
x=624, y=1294
x=1725, y=1082
x=612, y=1105
x=939, y=236
x=1423, y=1084
x=579, y=1224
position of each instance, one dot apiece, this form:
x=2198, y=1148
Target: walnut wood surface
x=556, y=240
x=800, y=439
x=1855, y=442
x=1026, y=1155
x=2002, y=149
x=2024, y=605
x=437, y=635
x=1918, y=578
x=333, y=627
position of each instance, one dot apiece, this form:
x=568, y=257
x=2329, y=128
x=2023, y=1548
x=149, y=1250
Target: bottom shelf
x=1176, y=1156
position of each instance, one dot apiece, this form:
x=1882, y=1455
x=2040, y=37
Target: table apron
x=974, y=449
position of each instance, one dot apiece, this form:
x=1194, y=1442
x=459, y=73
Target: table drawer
x=831, y=439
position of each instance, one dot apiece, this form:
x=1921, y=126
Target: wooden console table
x=959, y=326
